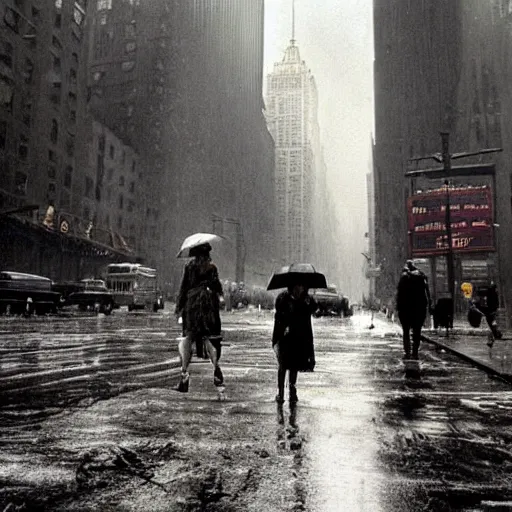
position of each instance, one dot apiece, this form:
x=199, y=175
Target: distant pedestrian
x=412, y=303
x=292, y=338
x=198, y=304
x=487, y=301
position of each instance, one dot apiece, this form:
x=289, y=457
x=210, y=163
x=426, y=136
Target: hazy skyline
x=335, y=40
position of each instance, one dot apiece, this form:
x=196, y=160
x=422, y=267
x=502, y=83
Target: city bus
x=134, y=285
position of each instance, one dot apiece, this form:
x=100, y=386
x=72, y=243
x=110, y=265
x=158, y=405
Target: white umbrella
x=196, y=240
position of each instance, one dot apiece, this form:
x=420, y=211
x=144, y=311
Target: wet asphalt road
x=363, y=437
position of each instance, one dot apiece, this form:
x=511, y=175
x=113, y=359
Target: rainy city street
x=89, y=421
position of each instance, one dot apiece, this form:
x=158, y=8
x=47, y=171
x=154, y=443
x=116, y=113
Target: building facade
x=440, y=66
x=42, y=102
x=292, y=120
x=181, y=82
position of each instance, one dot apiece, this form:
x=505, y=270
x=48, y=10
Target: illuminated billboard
x=471, y=220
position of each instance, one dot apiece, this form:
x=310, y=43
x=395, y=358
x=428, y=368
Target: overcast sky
x=336, y=41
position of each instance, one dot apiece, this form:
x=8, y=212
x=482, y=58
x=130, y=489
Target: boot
x=218, y=377
x=182, y=385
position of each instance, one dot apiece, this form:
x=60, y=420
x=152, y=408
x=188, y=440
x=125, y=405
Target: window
x=134, y=164
x=120, y=223
x=52, y=172
x=101, y=143
x=72, y=77
x=89, y=185
x=28, y=71
x=74, y=59
x=52, y=157
x=132, y=187
x=26, y=114
x=20, y=183
x=54, y=132
x=56, y=64
x=130, y=31
x=3, y=134
x=55, y=93
x=68, y=176
x=36, y=15
x=110, y=174
x=111, y=151
x=121, y=201
x=72, y=116
x=56, y=43
x=12, y=19
x=104, y=5
x=70, y=146
x=121, y=181
x=6, y=51
x=23, y=148
x=78, y=14
x=128, y=65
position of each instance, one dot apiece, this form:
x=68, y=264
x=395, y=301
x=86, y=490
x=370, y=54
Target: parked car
x=26, y=294
x=87, y=294
x=329, y=301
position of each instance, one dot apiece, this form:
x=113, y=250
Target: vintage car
x=329, y=301
x=87, y=294
x=26, y=294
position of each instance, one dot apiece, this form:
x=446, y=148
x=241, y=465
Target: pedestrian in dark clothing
x=292, y=338
x=487, y=301
x=198, y=304
x=412, y=303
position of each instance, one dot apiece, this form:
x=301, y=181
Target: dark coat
x=293, y=331
x=198, y=299
x=413, y=297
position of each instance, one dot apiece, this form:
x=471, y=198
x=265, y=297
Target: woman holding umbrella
x=292, y=337
x=198, y=304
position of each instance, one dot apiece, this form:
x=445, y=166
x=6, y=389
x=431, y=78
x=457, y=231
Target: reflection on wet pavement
x=363, y=437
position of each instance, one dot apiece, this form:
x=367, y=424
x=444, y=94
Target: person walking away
x=487, y=301
x=199, y=306
x=412, y=303
x=292, y=338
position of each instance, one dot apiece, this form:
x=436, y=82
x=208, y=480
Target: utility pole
x=447, y=165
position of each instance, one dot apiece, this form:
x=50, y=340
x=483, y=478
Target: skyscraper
x=292, y=120
x=182, y=83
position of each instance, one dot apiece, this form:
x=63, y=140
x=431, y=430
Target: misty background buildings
x=129, y=125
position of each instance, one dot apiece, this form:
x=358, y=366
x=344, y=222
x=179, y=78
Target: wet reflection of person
x=292, y=338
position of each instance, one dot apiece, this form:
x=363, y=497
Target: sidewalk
x=471, y=344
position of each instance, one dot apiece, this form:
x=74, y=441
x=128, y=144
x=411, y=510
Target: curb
x=506, y=377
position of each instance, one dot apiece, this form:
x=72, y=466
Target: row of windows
x=112, y=152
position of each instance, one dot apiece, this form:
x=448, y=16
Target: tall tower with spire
x=291, y=106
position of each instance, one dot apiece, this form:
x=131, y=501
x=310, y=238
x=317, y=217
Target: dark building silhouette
x=181, y=82
x=440, y=66
x=42, y=102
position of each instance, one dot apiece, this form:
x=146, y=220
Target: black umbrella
x=297, y=273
